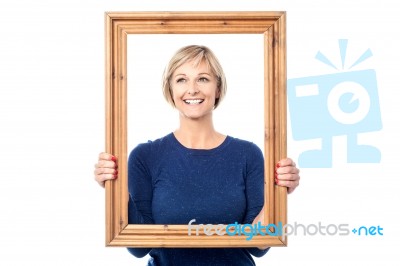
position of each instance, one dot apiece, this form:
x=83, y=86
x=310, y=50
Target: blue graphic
x=325, y=106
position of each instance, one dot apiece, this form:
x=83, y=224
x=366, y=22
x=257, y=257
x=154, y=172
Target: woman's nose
x=193, y=89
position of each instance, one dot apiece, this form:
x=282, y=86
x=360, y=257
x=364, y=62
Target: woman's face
x=194, y=90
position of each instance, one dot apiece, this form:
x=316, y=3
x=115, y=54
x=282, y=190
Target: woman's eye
x=181, y=80
x=203, y=79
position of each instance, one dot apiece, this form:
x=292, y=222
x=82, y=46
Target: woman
x=196, y=172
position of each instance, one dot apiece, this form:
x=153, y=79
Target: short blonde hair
x=197, y=54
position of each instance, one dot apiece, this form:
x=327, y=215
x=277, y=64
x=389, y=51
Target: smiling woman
x=244, y=71
x=195, y=91
x=204, y=69
x=194, y=172
x=194, y=83
x=186, y=174
x=191, y=173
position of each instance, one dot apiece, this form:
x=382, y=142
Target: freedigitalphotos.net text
x=251, y=230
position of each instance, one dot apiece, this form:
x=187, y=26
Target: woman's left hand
x=287, y=174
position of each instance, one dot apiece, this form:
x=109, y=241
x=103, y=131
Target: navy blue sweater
x=171, y=184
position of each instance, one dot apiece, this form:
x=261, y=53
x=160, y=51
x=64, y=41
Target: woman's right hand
x=106, y=168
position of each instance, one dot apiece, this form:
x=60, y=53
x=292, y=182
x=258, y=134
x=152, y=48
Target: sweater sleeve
x=140, y=186
x=254, y=190
x=140, y=193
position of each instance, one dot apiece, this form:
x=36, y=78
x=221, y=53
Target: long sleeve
x=140, y=187
x=140, y=194
x=254, y=190
x=254, y=183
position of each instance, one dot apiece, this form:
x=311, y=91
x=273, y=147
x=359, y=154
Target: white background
x=52, y=128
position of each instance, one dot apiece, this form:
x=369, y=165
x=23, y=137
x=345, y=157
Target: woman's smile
x=193, y=101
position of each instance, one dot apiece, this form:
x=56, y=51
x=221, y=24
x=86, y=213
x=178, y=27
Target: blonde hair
x=197, y=54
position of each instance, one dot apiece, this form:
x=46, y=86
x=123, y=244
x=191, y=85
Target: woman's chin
x=195, y=116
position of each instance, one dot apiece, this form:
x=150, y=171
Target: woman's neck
x=198, y=133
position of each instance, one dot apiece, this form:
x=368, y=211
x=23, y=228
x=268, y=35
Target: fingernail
x=113, y=158
x=278, y=165
x=116, y=172
x=276, y=181
x=115, y=176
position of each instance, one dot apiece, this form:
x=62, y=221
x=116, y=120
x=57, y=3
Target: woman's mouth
x=193, y=101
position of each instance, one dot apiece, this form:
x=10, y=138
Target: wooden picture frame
x=118, y=25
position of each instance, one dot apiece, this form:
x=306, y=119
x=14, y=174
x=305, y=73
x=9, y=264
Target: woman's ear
x=218, y=93
x=171, y=95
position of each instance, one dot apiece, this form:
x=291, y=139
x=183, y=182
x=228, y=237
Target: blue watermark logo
x=343, y=103
x=283, y=230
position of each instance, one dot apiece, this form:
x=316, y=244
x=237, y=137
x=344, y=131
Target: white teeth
x=193, y=101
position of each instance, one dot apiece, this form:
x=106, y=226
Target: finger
x=287, y=170
x=286, y=162
x=107, y=157
x=291, y=185
x=103, y=170
x=106, y=164
x=290, y=190
x=101, y=178
x=288, y=177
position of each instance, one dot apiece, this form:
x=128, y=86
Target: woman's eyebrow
x=179, y=74
x=202, y=73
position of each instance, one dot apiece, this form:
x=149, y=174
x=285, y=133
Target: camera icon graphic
x=338, y=104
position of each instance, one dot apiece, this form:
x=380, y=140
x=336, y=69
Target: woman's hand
x=105, y=168
x=287, y=175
